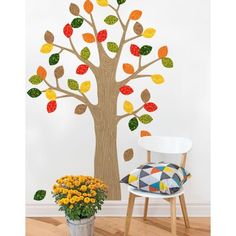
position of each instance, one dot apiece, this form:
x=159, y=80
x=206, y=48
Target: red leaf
x=82, y=69
x=150, y=106
x=134, y=49
x=51, y=106
x=102, y=36
x=68, y=30
x=126, y=90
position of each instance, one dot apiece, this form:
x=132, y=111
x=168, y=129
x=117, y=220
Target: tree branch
x=82, y=97
x=101, y=50
x=63, y=96
x=86, y=20
x=73, y=51
x=136, y=74
x=89, y=63
x=128, y=114
x=118, y=15
x=133, y=38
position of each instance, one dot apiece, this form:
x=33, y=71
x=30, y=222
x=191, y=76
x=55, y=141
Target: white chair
x=164, y=145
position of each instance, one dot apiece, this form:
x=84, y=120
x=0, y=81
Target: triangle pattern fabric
x=143, y=173
x=132, y=178
x=125, y=179
x=155, y=170
x=165, y=176
x=161, y=178
x=142, y=184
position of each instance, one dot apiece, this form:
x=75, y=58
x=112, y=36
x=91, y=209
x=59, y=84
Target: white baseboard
x=118, y=209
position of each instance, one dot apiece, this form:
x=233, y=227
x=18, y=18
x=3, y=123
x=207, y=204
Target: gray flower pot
x=82, y=227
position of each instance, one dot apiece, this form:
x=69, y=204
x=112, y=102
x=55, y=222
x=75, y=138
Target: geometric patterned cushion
x=164, y=178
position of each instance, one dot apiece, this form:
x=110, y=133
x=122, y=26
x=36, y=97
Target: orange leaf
x=128, y=68
x=145, y=133
x=162, y=52
x=88, y=6
x=135, y=15
x=88, y=38
x=41, y=72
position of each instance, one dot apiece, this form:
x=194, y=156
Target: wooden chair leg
x=145, y=208
x=173, y=215
x=129, y=213
x=184, y=211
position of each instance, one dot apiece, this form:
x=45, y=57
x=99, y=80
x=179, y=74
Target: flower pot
x=82, y=227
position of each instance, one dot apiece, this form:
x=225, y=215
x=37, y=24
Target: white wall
x=62, y=143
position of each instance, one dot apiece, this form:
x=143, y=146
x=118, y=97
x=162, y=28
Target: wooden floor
x=115, y=227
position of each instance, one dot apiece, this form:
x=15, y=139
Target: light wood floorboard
x=111, y=226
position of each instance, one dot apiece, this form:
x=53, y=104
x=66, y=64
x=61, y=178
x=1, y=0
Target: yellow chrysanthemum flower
x=87, y=200
x=65, y=191
x=72, y=200
x=93, y=200
x=93, y=193
x=83, y=188
x=66, y=200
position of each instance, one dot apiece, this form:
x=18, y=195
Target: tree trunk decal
x=108, y=88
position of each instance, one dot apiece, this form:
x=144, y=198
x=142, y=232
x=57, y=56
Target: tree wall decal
x=108, y=88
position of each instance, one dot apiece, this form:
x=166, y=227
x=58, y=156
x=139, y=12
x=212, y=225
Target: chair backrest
x=166, y=145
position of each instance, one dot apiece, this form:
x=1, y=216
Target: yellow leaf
x=102, y=3
x=157, y=79
x=46, y=48
x=128, y=107
x=149, y=33
x=85, y=86
x=50, y=94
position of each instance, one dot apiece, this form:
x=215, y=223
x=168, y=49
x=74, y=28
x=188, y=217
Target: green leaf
x=133, y=124
x=35, y=79
x=121, y=1
x=77, y=22
x=85, y=53
x=167, y=62
x=39, y=195
x=111, y=20
x=54, y=59
x=112, y=47
x=73, y=84
x=145, y=50
x=145, y=119
x=34, y=92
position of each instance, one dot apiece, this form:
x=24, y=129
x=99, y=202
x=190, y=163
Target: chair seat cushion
x=165, y=178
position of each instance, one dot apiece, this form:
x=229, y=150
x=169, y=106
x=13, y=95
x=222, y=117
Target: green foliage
x=54, y=59
x=121, y=1
x=145, y=119
x=85, y=53
x=112, y=47
x=79, y=196
x=39, y=195
x=111, y=20
x=82, y=210
x=73, y=84
x=35, y=79
x=167, y=62
x=133, y=124
x=34, y=92
x=77, y=22
x=145, y=50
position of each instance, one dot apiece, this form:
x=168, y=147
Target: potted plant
x=80, y=197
